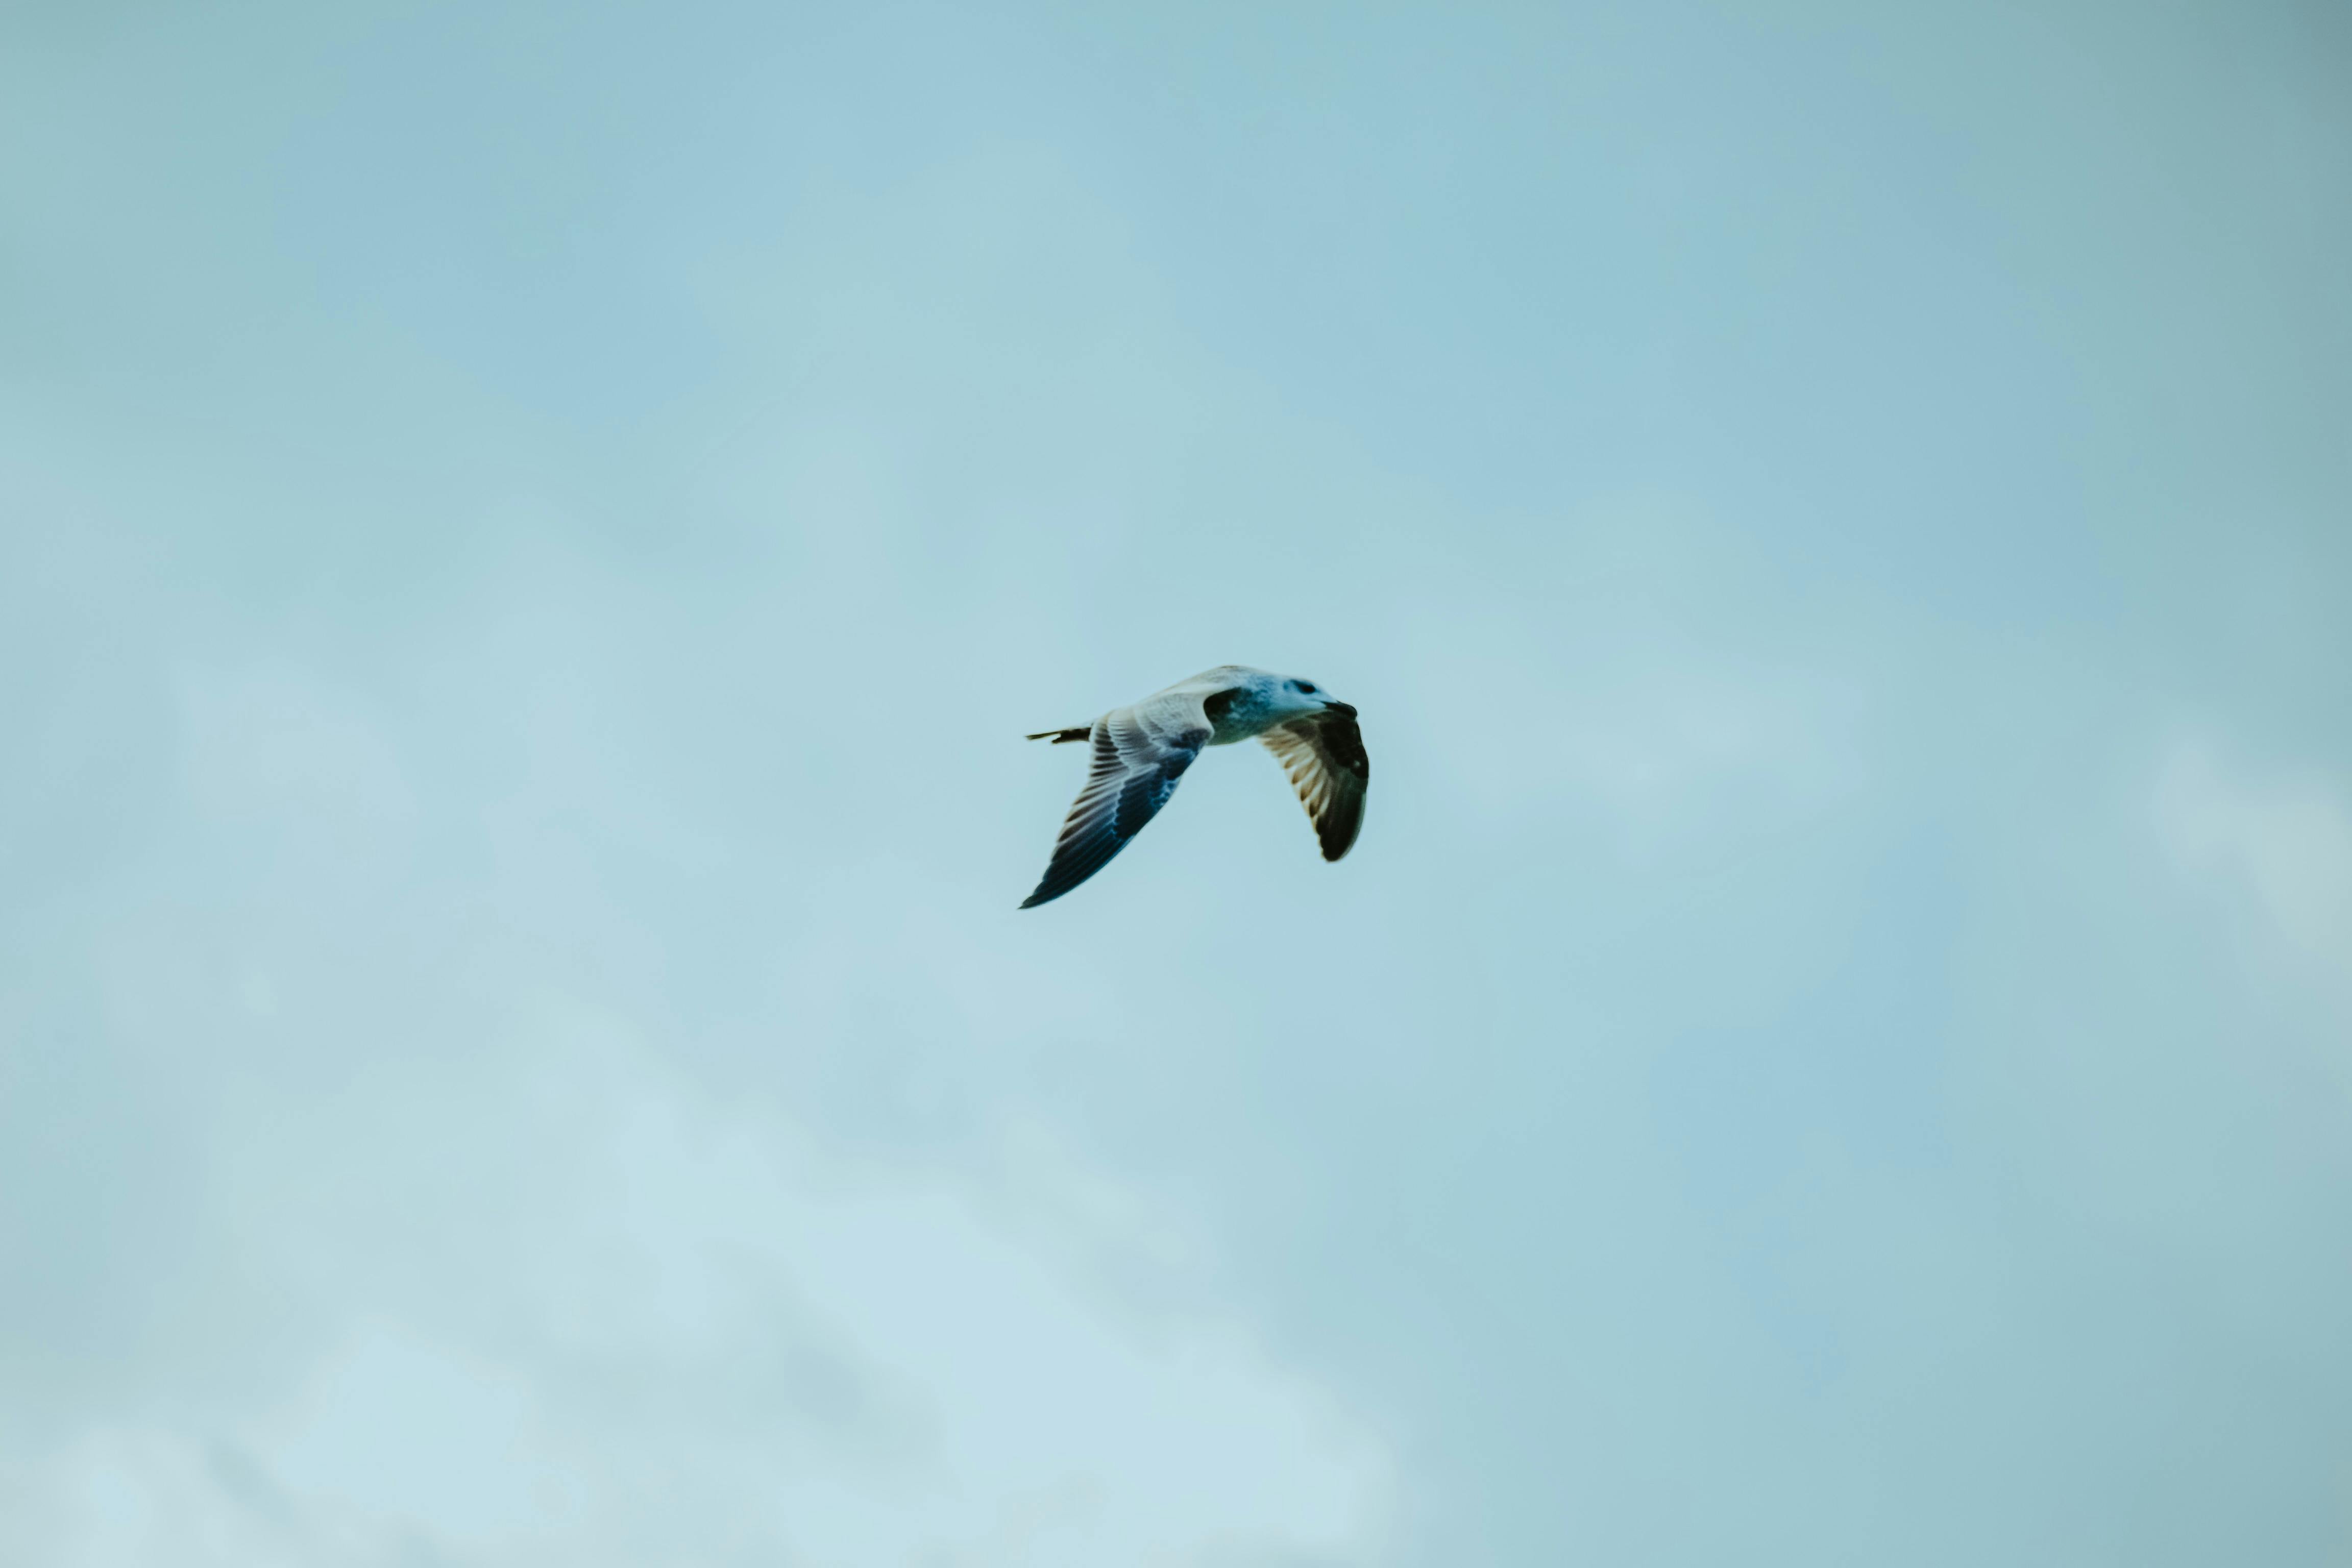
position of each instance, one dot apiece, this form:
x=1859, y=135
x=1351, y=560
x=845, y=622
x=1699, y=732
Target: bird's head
x=1295, y=697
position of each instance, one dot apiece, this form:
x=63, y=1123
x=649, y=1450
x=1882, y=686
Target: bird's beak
x=1343, y=709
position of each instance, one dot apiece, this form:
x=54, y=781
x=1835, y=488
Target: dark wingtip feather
x=1048, y=891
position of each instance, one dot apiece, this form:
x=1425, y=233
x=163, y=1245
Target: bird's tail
x=1061, y=737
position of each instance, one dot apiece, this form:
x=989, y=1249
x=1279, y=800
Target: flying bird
x=1141, y=749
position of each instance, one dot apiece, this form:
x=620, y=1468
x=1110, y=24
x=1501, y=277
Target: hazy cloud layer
x=528, y=537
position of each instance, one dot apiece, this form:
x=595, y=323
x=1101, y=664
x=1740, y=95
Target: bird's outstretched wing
x=1138, y=758
x=1323, y=755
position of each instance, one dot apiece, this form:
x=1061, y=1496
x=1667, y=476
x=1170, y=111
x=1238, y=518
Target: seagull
x=1141, y=749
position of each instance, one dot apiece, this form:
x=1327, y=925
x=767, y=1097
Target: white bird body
x=1141, y=749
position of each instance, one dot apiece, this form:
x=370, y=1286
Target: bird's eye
x=1306, y=686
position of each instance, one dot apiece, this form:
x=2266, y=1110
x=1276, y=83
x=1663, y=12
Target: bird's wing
x=1139, y=752
x=1323, y=755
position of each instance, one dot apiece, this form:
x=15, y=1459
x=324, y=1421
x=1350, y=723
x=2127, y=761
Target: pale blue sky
x=528, y=537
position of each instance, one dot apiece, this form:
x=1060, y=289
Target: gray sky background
x=530, y=534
